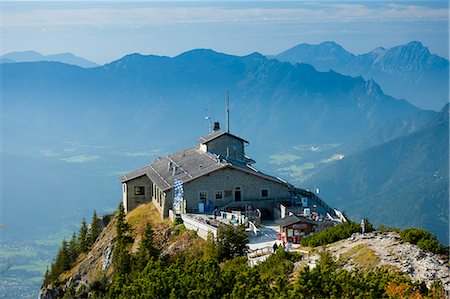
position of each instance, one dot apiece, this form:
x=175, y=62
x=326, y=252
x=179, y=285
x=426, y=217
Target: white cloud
x=143, y=153
x=297, y=171
x=333, y=158
x=150, y=14
x=283, y=158
x=49, y=153
x=81, y=158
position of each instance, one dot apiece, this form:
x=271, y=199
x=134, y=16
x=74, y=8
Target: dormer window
x=139, y=190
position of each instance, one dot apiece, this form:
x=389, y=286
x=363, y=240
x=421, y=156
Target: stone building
x=215, y=174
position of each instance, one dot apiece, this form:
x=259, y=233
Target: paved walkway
x=267, y=236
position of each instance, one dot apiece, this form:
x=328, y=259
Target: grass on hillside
x=364, y=257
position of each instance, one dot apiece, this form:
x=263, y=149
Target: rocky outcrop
x=90, y=267
x=388, y=249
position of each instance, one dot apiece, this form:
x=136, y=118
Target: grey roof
x=190, y=164
x=215, y=134
x=134, y=174
x=292, y=219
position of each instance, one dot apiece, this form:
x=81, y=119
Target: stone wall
x=235, y=147
x=202, y=229
x=226, y=180
x=130, y=199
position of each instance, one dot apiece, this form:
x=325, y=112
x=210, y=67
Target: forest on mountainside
x=219, y=268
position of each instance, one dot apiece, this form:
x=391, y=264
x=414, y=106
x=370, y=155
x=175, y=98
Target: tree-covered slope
x=403, y=182
x=141, y=256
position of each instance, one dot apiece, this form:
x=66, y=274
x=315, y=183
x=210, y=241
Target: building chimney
x=227, y=114
x=216, y=126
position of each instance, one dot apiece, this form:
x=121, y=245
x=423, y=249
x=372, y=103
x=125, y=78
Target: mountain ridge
x=33, y=56
x=385, y=174
x=407, y=71
x=252, y=80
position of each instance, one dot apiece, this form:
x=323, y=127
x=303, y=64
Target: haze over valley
x=362, y=121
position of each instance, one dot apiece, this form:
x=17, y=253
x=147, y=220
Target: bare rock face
x=49, y=293
x=90, y=267
x=98, y=261
x=388, y=249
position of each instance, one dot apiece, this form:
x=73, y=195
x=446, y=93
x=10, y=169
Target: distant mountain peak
x=201, y=52
x=414, y=47
x=415, y=43
x=32, y=56
x=409, y=71
x=324, y=56
x=332, y=45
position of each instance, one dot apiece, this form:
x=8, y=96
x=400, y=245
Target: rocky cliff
x=364, y=252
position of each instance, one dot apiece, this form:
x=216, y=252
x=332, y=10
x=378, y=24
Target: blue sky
x=103, y=31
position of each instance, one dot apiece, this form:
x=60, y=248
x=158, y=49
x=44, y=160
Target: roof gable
x=292, y=219
x=190, y=164
x=216, y=134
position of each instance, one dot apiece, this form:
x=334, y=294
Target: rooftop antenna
x=208, y=117
x=228, y=112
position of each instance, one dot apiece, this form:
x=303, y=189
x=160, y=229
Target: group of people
x=287, y=246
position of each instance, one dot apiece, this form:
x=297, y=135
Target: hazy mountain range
x=271, y=100
x=33, y=56
x=96, y=123
x=403, y=182
x=68, y=132
x=407, y=71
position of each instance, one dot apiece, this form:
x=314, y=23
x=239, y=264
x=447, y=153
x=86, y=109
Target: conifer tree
x=147, y=241
x=231, y=242
x=62, y=262
x=122, y=227
x=146, y=248
x=122, y=258
x=73, y=249
x=211, y=249
x=46, y=278
x=95, y=229
x=83, y=236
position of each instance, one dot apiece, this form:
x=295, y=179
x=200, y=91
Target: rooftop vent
x=216, y=126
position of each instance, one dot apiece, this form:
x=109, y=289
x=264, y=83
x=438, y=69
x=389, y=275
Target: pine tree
x=73, y=249
x=146, y=249
x=147, y=241
x=95, y=229
x=62, y=262
x=231, y=242
x=211, y=249
x=122, y=257
x=83, y=236
x=46, y=278
x=122, y=227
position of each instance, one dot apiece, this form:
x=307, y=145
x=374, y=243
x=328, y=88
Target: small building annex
x=215, y=174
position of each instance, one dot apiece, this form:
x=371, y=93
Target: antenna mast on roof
x=208, y=117
x=228, y=111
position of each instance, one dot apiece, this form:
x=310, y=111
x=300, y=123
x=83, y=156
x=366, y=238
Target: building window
x=264, y=193
x=124, y=188
x=203, y=195
x=219, y=194
x=138, y=190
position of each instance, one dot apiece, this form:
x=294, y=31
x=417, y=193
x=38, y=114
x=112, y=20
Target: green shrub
x=177, y=220
x=423, y=239
x=334, y=234
x=385, y=229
